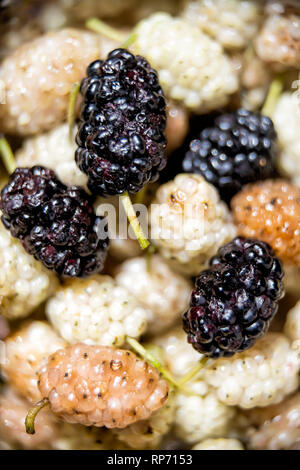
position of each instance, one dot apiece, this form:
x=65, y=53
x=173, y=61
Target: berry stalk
x=148, y=356
x=274, y=93
x=193, y=372
x=71, y=108
x=7, y=155
x=133, y=220
x=100, y=27
x=32, y=413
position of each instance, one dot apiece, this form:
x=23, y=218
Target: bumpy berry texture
x=56, y=223
x=201, y=416
x=189, y=223
x=260, y=376
x=278, y=42
x=219, y=444
x=270, y=211
x=292, y=324
x=26, y=351
x=121, y=135
x=234, y=301
x=44, y=69
x=238, y=149
x=192, y=67
x=276, y=427
x=286, y=119
x=54, y=150
x=96, y=311
x=232, y=23
x=148, y=434
x=24, y=282
x=164, y=293
x=51, y=434
x=83, y=386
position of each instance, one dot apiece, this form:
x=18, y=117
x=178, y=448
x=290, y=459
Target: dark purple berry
x=237, y=150
x=55, y=223
x=121, y=134
x=235, y=300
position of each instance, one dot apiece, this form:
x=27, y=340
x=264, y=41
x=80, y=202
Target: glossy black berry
x=121, y=135
x=235, y=300
x=237, y=150
x=55, y=223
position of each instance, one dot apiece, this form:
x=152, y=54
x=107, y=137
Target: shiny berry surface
x=55, y=223
x=121, y=135
x=235, y=300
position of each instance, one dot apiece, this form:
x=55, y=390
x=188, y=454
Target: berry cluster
x=235, y=300
x=56, y=223
x=123, y=117
x=238, y=149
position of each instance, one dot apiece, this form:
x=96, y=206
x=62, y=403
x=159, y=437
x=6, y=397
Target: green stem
x=193, y=372
x=133, y=220
x=129, y=41
x=31, y=415
x=7, y=155
x=273, y=96
x=111, y=33
x=139, y=349
x=71, y=108
x=102, y=28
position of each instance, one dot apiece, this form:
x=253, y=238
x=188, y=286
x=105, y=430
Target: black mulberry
x=237, y=150
x=55, y=223
x=235, y=300
x=121, y=135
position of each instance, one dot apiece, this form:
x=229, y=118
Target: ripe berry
x=238, y=149
x=121, y=141
x=235, y=300
x=55, y=223
x=101, y=386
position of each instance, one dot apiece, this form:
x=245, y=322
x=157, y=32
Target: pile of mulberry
x=238, y=149
x=235, y=300
x=121, y=135
x=55, y=223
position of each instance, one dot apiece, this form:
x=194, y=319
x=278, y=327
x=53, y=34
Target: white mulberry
x=189, y=222
x=192, y=67
x=164, y=293
x=96, y=311
x=25, y=352
x=101, y=386
x=24, y=282
x=260, y=376
x=232, y=23
x=38, y=77
x=276, y=427
x=200, y=417
x=286, y=118
x=55, y=151
x=278, y=42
